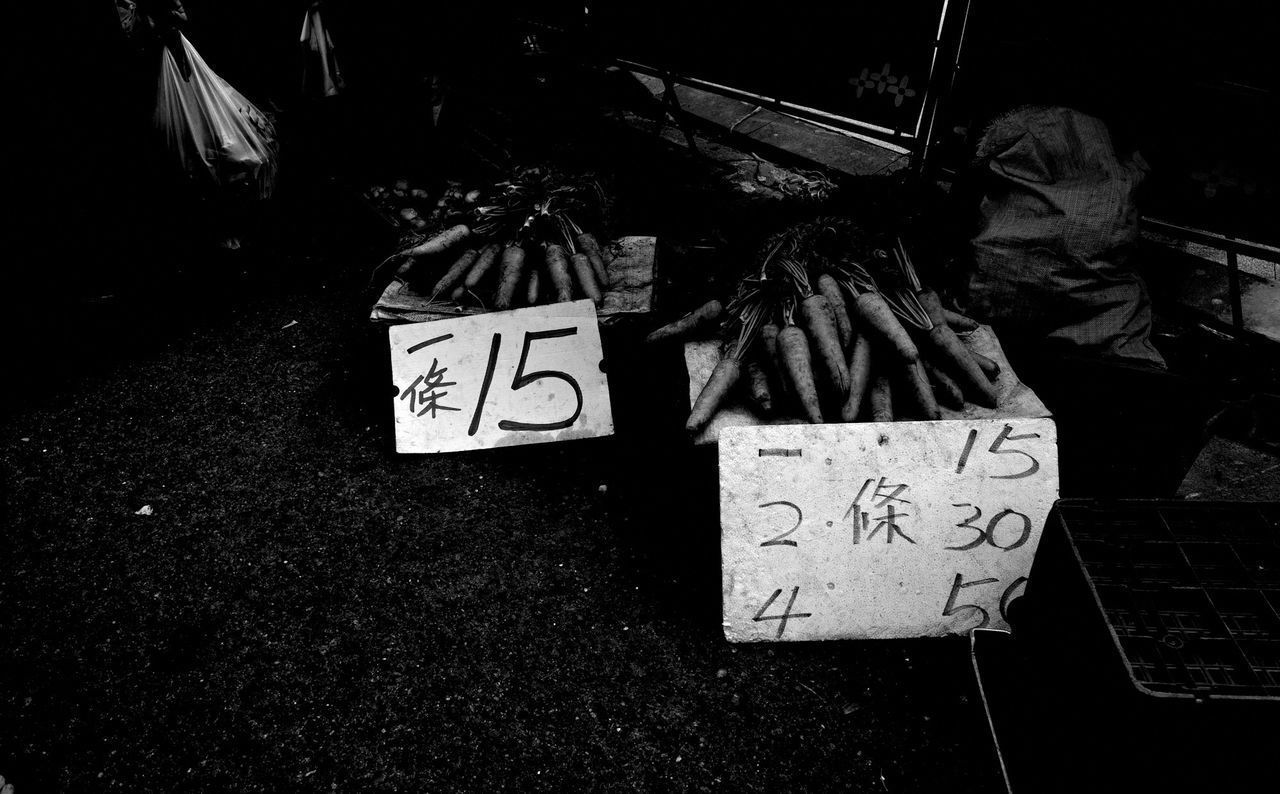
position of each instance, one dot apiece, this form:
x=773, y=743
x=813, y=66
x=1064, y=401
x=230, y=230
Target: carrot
x=955, y=358
x=706, y=314
x=758, y=383
x=830, y=289
x=793, y=348
x=859, y=378
x=876, y=319
x=722, y=379
x=591, y=247
x=531, y=289
x=586, y=277
x=484, y=263
x=881, y=398
x=989, y=368
x=455, y=272
x=819, y=323
x=769, y=357
x=441, y=242
x=509, y=279
x=954, y=355
x=921, y=392
x=558, y=269
x=958, y=321
x=945, y=387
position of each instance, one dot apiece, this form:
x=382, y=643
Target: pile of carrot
x=519, y=245
x=811, y=330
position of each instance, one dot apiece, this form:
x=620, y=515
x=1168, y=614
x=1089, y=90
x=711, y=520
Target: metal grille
x=1191, y=593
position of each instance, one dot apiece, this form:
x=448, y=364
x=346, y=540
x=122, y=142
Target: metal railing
x=1234, y=249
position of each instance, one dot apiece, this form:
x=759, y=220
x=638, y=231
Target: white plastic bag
x=320, y=74
x=216, y=135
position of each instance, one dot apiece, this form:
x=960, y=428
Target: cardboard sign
x=527, y=376
x=880, y=530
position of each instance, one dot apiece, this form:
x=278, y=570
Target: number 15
x=522, y=380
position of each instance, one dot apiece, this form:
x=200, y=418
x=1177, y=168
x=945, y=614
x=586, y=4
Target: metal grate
x=1191, y=592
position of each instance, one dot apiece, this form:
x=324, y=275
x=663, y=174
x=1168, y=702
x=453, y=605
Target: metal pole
x=1233, y=286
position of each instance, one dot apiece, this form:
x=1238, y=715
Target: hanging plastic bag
x=217, y=136
x=320, y=74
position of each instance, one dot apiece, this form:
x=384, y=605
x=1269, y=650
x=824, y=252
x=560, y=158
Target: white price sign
x=901, y=529
x=527, y=376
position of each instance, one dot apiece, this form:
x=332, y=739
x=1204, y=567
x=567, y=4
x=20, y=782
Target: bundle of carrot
x=812, y=327
x=521, y=241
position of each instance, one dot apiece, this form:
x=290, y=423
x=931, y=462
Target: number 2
x=778, y=541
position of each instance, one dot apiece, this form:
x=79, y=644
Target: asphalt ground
x=306, y=610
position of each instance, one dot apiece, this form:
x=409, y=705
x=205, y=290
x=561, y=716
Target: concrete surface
x=1230, y=471
x=843, y=152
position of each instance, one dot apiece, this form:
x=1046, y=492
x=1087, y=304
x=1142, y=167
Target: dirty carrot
x=705, y=315
x=830, y=289
x=820, y=326
x=455, y=272
x=591, y=247
x=531, y=289
x=769, y=357
x=921, y=392
x=441, y=242
x=881, y=399
x=509, y=278
x=989, y=368
x=955, y=357
x=958, y=321
x=722, y=379
x=484, y=263
x=876, y=319
x=859, y=378
x=586, y=277
x=945, y=387
x=758, y=383
x=558, y=269
x=793, y=348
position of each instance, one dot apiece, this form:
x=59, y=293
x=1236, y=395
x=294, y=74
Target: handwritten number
x=1005, y=436
x=988, y=535
x=991, y=529
x=982, y=533
x=956, y=586
x=1008, y=596
x=484, y=387
x=521, y=380
x=778, y=541
x=428, y=343
x=786, y=615
x=968, y=447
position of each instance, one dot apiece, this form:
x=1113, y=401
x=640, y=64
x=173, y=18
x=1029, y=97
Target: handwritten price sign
x=903, y=529
x=527, y=376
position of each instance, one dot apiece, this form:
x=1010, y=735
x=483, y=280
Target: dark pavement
x=305, y=610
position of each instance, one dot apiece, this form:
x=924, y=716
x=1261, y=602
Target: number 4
x=786, y=615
